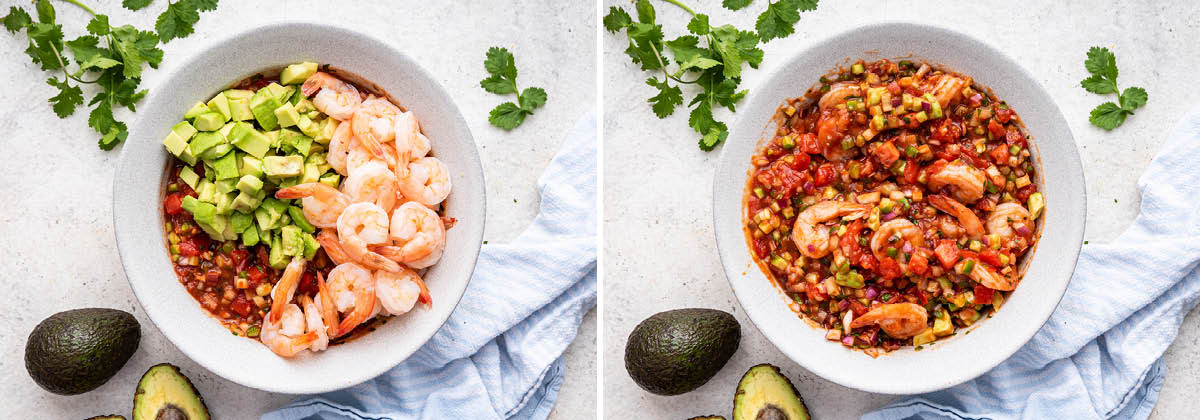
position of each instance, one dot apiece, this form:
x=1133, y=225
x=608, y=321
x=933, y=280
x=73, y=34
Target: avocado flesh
x=76, y=351
x=677, y=351
x=765, y=394
x=108, y=417
x=708, y=418
x=165, y=393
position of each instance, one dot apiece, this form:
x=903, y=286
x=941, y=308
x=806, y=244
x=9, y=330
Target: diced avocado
x=302, y=144
x=315, y=158
x=279, y=92
x=251, y=141
x=286, y=115
x=942, y=325
x=215, y=152
x=276, y=258
x=250, y=184
x=220, y=105
x=251, y=166
x=312, y=173
x=264, y=219
x=300, y=221
x=310, y=246
x=226, y=129
x=195, y=110
x=226, y=166
x=245, y=203
x=239, y=110
x=189, y=203
x=289, y=182
x=76, y=351
x=275, y=209
x=226, y=185
x=204, y=212
x=189, y=176
x=225, y=203
x=307, y=126
x=233, y=94
x=219, y=223
x=240, y=129
x=283, y=166
x=206, y=191
x=305, y=106
x=208, y=172
x=331, y=179
x=297, y=73
x=241, y=221
x=165, y=393
x=175, y=144
x=293, y=241
x=250, y=236
x=187, y=156
x=297, y=95
x=328, y=126
x=924, y=337
x=209, y=121
x=205, y=141
x=184, y=130
x=228, y=234
x=273, y=136
x=263, y=105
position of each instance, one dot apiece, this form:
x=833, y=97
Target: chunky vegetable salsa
x=894, y=204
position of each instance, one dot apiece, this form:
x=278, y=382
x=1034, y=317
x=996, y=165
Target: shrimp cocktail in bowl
x=319, y=217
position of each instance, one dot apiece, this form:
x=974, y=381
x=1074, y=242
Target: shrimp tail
x=333, y=248
x=425, y=298
x=364, y=303
x=282, y=293
x=328, y=309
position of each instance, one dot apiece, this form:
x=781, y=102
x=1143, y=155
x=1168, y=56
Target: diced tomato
x=999, y=155
x=1023, y=193
x=893, y=88
x=991, y=257
x=983, y=295
x=173, y=204
x=800, y=161
x=912, y=171
x=997, y=129
x=889, y=268
x=808, y=143
x=924, y=297
x=238, y=255
x=867, y=261
x=949, y=153
x=1004, y=114
x=1014, y=137
x=762, y=247
x=947, y=130
x=308, y=283
x=947, y=253
x=857, y=307
x=918, y=264
x=255, y=275
x=814, y=292
x=968, y=154
x=825, y=175
x=886, y=153
x=193, y=246
x=241, y=305
x=866, y=169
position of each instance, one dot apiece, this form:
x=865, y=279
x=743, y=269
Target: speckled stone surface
x=56, y=229
x=659, y=247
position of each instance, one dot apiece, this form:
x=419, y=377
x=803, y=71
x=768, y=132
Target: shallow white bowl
x=138, y=215
x=963, y=356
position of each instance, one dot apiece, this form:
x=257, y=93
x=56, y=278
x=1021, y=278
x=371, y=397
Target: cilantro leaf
x=699, y=25
x=16, y=19
x=1133, y=98
x=135, y=4
x=1098, y=84
x=1101, y=62
x=1108, y=116
x=98, y=25
x=69, y=97
x=204, y=5
x=645, y=11
x=498, y=85
x=500, y=62
x=177, y=20
x=45, y=11
x=616, y=19
x=86, y=48
x=46, y=42
x=778, y=20
x=507, y=116
x=735, y=4
x=686, y=48
x=645, y=46
x=532, y=98
x=667, y=99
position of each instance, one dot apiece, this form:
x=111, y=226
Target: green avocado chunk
x=226, y=166
x=292, y=240
x=195, y=110
x=250, y=236
x=241, y=221
x=310, y=246
x=76, y=351
x=184, y=130
x=275, y=258
x=283, y=166
x=764, y=393
x=286, y=115
x=215, y=152
x=251, y=166
x=263, y=105
x=298, y=218
x=204, y=141
x=250, y=184
x=189, y=176
x=677, y=351
x=245, y=203
x=297, y=73
x=175, y=144
x=209, y=121
x=220, y=105
x=165, y=393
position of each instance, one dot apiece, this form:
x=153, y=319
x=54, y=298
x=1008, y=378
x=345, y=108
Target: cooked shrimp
x=832, y=127
x=899, y=320
x=352, y=289
x=335, y=97
x=282, y=293
x=947, y=88
x=339, y=148
x=967, y=218
x=426, y=181
x=375, y=123
x=1006, y=215
x=838, y=92
x=988, y=276
x=314, y=323
x=322, y=204
x=813, y=240
x=397, y=292
x=965, y=181
x=420, y=147
x=372, y=183
x=333, y=247
x=324, y=302
x=891, y=233
x=283, y=336
x=363, y=224
x=417, y=231
x=410, y=143
x=359, y=156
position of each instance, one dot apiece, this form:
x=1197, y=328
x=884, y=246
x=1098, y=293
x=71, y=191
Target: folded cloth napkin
x=1100, y=354
x=499, y=356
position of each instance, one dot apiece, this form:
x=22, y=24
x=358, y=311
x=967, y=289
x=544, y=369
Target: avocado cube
x=226, y=129
x=245, y=203
x=263, y=218
x=214, y=153
x=175, y=144
x=239, y=110
x=250, y=236
x=302, y=144
x=241, y=221
x=280, y=92
x=226, y=185
x=189, y=177
x=209, y=121
x=208, y=172
x=189, y=203
x=197, y=109
x=310, y=246
x=283, y=166
x=251, y=166
x=254, y=143
x=204, y=212
x=292, y=240
x=220, y=105
x=276, y=259
x=312, y=173
x=206, y=191
x=275, y=209
x=286, y=115
x=220, y=224
x=205, y=141
x=289, y=182
x=263, y=105
x=331, y=179
x=305, y=106
x=300, y=220
x=226, y=166
x=328, y=126
x=308, y=126
x=224, y=203
x=234, y=94
x=187, y=156
x=297, y=73
x=250, y=184
x=184, y=130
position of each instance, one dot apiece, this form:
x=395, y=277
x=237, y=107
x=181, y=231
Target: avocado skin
x=709, y=417
x=677, y=351
x=76, y=351
x=767, y=377
x=168, y=385
x=108, y=417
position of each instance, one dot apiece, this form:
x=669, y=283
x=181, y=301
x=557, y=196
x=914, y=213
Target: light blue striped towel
x=1100, y=354
x=499, y=356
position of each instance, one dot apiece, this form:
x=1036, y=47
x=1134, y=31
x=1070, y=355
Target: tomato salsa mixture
x=893, y=204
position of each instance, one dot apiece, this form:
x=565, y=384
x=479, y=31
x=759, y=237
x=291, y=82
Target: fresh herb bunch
x=1102, y=64
x=714, y=54
x=503, y=80
x=111, y=56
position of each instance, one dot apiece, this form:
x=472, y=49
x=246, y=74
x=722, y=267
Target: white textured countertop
x=659, y=246
x=57, y=248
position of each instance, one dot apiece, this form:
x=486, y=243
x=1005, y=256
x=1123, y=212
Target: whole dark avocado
x=76, y=351
x=676, y=351
x=165, y=393
x=765, y=394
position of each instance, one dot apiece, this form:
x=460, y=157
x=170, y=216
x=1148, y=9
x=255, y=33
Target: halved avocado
x=712, y=417
x=765, y=394
x=108, y=417
x=164, y=393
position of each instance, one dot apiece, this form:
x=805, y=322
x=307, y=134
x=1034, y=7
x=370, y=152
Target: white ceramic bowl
x=1049, y=267
x=138, y=214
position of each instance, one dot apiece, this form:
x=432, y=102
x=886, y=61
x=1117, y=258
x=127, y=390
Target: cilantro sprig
x=1102, y=64
x=710, y=57
x=503, y=80
x=110, y=57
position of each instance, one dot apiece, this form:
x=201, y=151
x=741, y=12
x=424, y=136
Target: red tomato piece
x=912, y=171
x=918, y=264
x=825, y=175
x=999, y=155
x=991, y=257
x=173, y=204
x=889, y=268
x=886, y=153
x=800, y=161
x=946, y=130
x=1024, y=192
x=1014, y=137
x=814, y=292
x=1004, y=114
x=983, y=295
x=808, y=143
x=241, y=305
x=947, y=253
x=997, y=129
x=189, y=249
x=762, y=247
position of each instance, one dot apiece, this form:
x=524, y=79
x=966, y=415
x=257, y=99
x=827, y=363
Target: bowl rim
x=726, y=166
x=470, y=256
